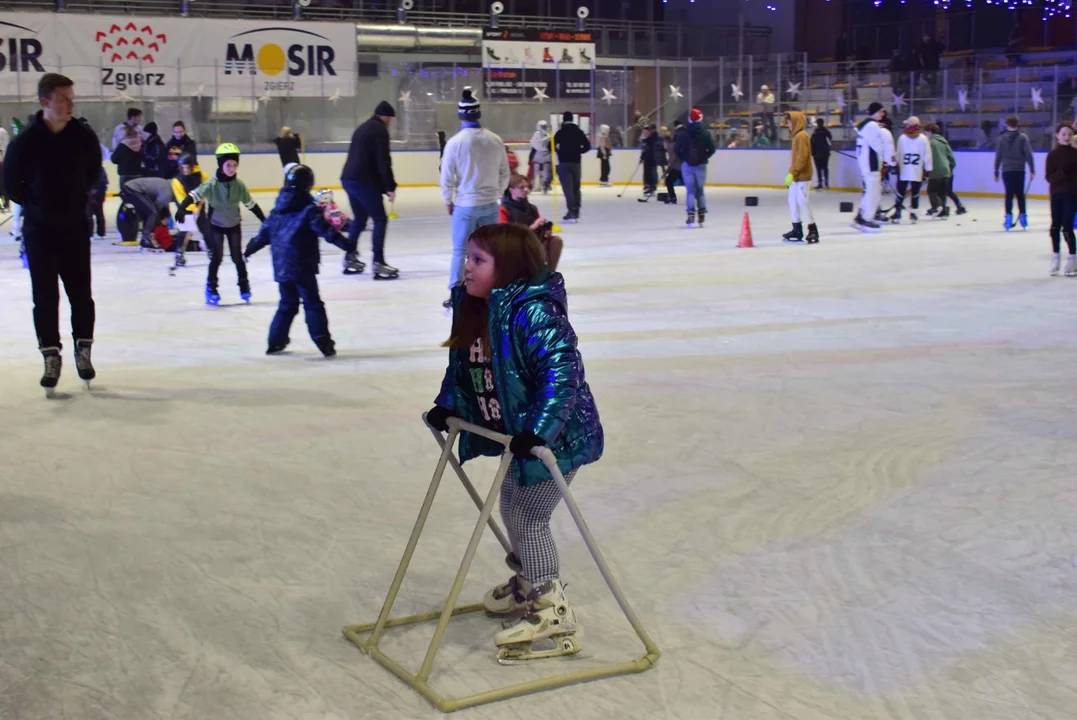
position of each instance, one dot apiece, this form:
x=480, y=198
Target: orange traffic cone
x=745, y=233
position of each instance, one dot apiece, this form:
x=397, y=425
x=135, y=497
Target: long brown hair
x=518, y=255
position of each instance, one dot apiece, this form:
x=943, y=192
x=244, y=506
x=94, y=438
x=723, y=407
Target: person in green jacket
x=942, y=172
x=224, y=193
x=514, y=369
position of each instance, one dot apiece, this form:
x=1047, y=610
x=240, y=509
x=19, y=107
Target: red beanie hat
x=695, y=115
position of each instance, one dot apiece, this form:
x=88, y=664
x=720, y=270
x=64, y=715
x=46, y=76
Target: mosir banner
x=119, y=56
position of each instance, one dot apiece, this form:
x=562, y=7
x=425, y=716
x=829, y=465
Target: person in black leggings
x=1061, y=174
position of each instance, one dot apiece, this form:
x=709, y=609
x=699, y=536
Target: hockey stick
x=625, y=189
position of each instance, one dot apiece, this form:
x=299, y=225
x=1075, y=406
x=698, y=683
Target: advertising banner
x=527, y=63
x=118, y=56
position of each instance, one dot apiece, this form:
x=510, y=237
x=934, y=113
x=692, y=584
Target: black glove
x=523, y=443
x=438, y=418
x=181, y=214
x=257, y=211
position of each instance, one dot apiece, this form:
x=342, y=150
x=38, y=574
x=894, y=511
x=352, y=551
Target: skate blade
x=50, y=393
x=564, y=647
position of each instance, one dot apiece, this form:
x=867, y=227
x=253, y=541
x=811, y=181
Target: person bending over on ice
x=514, y=369
x=292, y=231
x=224, y=193
x=515, y=208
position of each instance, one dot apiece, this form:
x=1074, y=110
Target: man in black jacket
x=367, y=175
x=572, y=144
x=49, y=170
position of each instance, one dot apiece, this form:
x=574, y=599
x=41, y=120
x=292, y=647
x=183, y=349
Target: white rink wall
x=733, y=168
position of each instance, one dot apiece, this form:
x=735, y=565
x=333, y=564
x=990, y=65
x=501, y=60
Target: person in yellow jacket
x=799, y=182
x=190, y=177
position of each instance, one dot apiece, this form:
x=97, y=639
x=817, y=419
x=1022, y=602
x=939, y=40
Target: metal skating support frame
x=420, y=681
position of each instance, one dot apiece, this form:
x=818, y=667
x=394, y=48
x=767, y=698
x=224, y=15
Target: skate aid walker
x=420, y=681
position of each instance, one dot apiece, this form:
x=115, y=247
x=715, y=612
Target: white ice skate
x=1056, y=264
x=1071, y=266
x=550, y=622
x=509, y=598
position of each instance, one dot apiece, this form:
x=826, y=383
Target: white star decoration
x=737, y=92
x=200, y=91
x=1037, y=97
x=899, y=100
x=124, y=97
x=675, y=92
x=264, y=99
x=540, y=94
x=794, y=90
x=607, y=96
x=405, y=97
x=963, y=98
x=335, y=97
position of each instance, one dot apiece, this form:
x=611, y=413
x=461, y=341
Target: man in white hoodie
x=474, y=175
x=872, y=152
x=540, y=143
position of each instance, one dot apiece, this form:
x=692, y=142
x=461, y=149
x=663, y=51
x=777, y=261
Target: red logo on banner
x=130, y=43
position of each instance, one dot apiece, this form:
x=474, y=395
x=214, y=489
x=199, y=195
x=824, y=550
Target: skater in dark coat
x=367, y=176
x=649, y=157
x=154, y=154
x=820, y=152
x=292, y=231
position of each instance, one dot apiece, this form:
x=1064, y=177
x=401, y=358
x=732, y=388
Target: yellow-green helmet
x=227, y=149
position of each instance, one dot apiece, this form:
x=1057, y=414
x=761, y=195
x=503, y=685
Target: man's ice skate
x=383, y=271
x=701, y=215
x=944, y=213
x=1071, y=266
x=327, y=346
x=571, y=218
x=1056, y=265
x=566, y=57
x=913, y=219
x=859, y=223
x=83, y=362
x=53, y=364
x=1022, y=219
x=546, y=56
x=961, y=210
x=932, y=212
x=895, y=219
x=691, y=219
x=813, y=235
x=491, y=55
x=547, y=630
x=881, y=217
x=1007, y=223
x=212, y=296
x=245, y=295
x=794, y=235
x=648, y=193
x=277, y=348
x=584, y=57
x=352, y=264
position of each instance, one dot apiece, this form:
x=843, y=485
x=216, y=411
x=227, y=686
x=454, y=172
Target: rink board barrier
x=420, y=681
x=973, y=176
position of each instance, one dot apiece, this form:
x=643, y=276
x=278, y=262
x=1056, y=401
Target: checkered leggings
x=526, y=513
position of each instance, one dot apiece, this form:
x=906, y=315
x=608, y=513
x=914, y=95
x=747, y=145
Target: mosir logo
x=21, y=54
x=132, y=45
x=301, y=56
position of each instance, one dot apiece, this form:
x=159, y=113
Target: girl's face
x=479, y=272
x=520, y=192
x=230, y=167
x=186, y=169
x=1064, y=135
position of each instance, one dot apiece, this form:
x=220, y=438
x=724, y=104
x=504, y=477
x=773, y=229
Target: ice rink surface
x=838, y=480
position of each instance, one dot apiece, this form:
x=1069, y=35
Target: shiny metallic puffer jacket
x=539, y=378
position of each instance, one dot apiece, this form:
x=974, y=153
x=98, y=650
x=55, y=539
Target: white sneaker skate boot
x=1071, y=266
x=1056, y=263
x=550, y=621
x=509, y=598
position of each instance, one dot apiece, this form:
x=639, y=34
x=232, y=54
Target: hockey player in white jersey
x=871, y=153
x=914, y=164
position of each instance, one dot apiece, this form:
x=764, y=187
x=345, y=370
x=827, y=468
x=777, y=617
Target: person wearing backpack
x=694, y=146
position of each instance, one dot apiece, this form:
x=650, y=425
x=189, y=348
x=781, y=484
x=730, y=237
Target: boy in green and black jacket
x=942, y=172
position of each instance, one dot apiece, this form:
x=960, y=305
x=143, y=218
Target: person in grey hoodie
x=1014, y=151
x=540, y=144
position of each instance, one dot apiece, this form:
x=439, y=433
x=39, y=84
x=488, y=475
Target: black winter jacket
x=51, y=175
x=572, y=144
x=154, y=156
x=128, y=162
x=368, y=160
x=820, y=143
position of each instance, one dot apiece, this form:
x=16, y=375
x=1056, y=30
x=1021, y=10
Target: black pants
x=604, y=164
x=902, y=186
x=54, y=256
x=97, y=214
x=937, y=191
x=671, y=178
x=650, y=176
x=366, y=205
x=1014, y=182
x=822, y=167
x=950, y=191
x=1063, y=209
x=215, y=248
x=569, y=175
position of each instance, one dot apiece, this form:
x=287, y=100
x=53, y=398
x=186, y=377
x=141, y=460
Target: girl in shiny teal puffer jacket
x=532, y=387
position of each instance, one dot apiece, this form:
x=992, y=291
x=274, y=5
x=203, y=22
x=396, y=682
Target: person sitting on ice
x=515, y=208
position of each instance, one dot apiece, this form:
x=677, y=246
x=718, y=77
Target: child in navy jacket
x=292, y=229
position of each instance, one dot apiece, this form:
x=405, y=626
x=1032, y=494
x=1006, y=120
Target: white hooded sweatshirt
x=540, y=142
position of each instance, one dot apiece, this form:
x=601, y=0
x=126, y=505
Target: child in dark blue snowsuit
x=292, y=230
